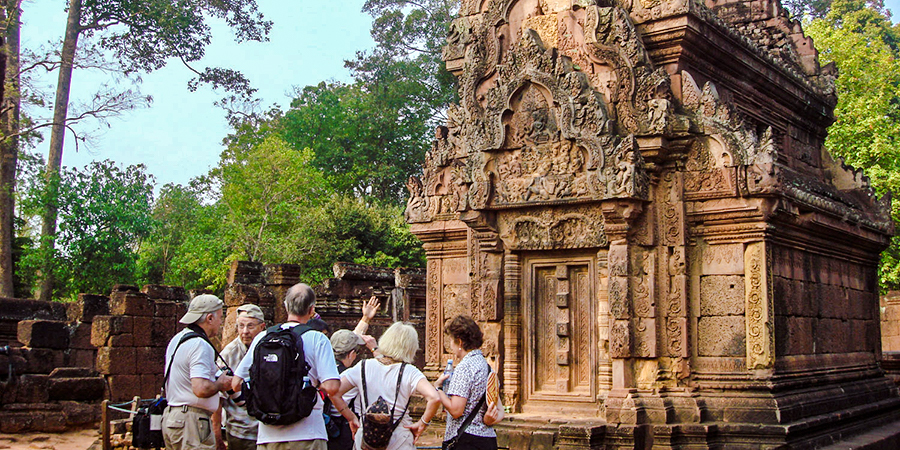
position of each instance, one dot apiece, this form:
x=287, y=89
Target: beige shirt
x=238, y=423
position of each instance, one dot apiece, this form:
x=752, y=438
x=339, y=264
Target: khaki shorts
x=188, y=428
x=316, y=444
x=236, y=443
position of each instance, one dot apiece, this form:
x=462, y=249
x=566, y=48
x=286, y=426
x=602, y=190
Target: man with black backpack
x=284, y=368
x=191, y=384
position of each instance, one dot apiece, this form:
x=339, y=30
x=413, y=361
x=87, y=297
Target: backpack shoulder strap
x=187, y=336
x=365, y=391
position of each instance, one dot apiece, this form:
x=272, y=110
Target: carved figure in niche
x=415, y=206
x=658, y=113
x=460, y=187
x=624, y=179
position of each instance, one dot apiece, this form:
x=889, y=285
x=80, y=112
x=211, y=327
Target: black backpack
x=279, y=390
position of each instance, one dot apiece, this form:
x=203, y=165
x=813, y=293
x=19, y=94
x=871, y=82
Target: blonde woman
x=397, y=350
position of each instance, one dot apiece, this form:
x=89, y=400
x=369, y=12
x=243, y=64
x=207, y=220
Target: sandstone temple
x=633, y=199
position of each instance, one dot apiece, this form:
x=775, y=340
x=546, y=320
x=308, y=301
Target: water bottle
x=448, y=371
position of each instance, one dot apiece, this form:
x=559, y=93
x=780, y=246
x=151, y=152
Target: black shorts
x=470, y=441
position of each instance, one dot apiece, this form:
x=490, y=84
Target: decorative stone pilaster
x=760, y=307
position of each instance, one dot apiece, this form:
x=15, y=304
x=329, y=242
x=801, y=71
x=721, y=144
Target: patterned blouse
x=469, y=380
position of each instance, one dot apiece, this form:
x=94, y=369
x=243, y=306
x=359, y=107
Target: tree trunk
x=54, y=155
x=9, y=147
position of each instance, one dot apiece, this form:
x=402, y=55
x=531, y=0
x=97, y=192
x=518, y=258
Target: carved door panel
x=560, y=329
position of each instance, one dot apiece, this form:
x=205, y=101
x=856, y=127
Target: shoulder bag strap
x=365, y=392
x=397, y=397
x=470, y=417
x=188, y=336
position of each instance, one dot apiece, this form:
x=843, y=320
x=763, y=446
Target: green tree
x=104, y=212
x=866, y=132
x=367, y=144
x=141, y=36
x=265, y=195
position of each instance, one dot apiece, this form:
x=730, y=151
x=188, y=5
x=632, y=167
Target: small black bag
x=146, y=428
x=378, y=421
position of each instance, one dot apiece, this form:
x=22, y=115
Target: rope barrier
x=115, y=408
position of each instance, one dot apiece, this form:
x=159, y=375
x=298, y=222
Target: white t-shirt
x=381, y=380
x=320, y=357
x=195, y=359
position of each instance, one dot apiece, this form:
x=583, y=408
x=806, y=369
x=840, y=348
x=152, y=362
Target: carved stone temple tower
x=634, y=201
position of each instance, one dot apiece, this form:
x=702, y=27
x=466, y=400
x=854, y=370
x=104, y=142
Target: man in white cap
x=191, y=385
x=240, y=427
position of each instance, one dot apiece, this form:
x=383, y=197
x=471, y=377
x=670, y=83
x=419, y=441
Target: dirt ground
x=84, y=439
x=70, y=440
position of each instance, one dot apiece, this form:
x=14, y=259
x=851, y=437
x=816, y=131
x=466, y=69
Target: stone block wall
x=247, y=284
x=131, y=341
x=47, y=380
x=823, y=304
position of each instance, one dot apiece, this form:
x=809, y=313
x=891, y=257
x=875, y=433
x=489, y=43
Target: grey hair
x=299, y=299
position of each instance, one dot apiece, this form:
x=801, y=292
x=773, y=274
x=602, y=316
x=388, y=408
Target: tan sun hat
x=200, y=305
x=342, y=341
x=251, y=310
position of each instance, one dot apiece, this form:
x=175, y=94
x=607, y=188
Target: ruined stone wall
x=131, y=341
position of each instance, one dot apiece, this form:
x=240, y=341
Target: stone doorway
x=561, y=328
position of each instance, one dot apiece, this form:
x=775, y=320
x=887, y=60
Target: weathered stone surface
x=130, y=304
x=73, y=372
x=43, y=334
x=123, y=387
x=105, y=326
x=42, y=360
x=32, y=388
x=282, y=274
x=116, y=360
x=80, y=336
x=239, y=294
x=162, y=330
x=245, y=272
x=164, y=308
x=16, y=309
x=143, y=331
x=721, y=336
x=76, y=389
x=82, y=358
x=151, y=385
x=150, y=360
x=795, y=335
x=87, y=307
x=722, y=295
x=162, y=292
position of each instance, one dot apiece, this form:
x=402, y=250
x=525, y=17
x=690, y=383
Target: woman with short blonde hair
x=392, y=377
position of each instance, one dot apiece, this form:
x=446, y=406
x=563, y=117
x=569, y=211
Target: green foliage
x=143, y=35
x=406, y=64
x=104, y=213
x=367, y=143
x=866, y=132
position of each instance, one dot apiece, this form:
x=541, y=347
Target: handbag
x=378, y=421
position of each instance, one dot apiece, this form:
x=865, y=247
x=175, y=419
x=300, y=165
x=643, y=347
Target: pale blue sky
x=179, y=136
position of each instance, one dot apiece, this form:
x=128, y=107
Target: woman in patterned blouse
x=467, y=387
